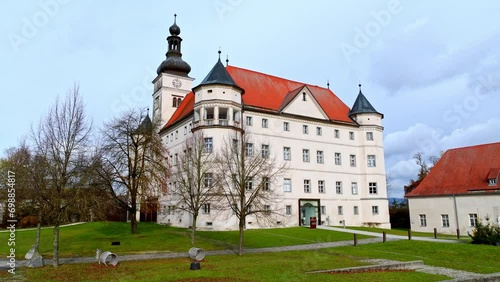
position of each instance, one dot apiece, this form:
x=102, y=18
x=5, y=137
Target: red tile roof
x=461, y=171
x=268, y=92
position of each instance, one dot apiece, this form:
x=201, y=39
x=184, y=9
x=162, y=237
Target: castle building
x=334, y=154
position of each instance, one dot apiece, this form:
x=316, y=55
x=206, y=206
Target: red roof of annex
x=462, y=171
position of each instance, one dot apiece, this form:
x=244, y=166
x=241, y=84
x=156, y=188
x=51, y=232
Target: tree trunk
x=241, y=227
x=193, y=228
x=55, y=245
x=38, y=231
x=133, y=218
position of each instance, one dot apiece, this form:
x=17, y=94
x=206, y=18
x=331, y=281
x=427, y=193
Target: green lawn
x=83, y=239
x=287, y=266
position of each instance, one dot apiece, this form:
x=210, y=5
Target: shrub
x=485, y=234
x=28, y=221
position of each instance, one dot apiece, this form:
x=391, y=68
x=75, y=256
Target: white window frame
x=307, y=186
x=355, y=210
x=305, y=129
x=340, y=210
x=286, y=126
x=287, y=185
x=206, y=208
x=321, y=186
x=305, y=155
x=336, y=133
x=287, y=153
x=369, y=136
x=371, y=161
x=338, y=187
x=338, y=158
x=265, y=151
x=320, y=157
x=265, y=123
x=352, y=160
x=354, y=188
x=375, y=210
x=423, y=220
x=288, y=209
x=249, y=121
x=319, y=131
x=208, y=144
x=473, y=219
x=372, y=188
x=445, y=220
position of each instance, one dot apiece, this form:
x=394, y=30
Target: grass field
x=288, y=266
x=83, y=239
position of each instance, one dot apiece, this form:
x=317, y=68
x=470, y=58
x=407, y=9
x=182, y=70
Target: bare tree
x=246, y=175
x=193, y=178
x=61, y=141
x=131, y=161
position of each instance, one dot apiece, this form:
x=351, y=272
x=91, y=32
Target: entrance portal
x=309, y=208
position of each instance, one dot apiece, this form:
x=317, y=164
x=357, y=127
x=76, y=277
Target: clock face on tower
x=176, y=83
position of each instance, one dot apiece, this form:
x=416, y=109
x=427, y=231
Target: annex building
x=460, y=190
x=334, y=153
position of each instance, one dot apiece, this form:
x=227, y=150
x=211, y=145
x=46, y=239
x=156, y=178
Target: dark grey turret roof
x=362, y=105
x=146, y=126
x=219, y=75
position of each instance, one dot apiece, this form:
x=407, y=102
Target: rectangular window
x=305, y=129
x=287, y=154
x=354, y=188
x=249, y=183
x=208, y=143
x=319, y=157
x=265, y=184
x=287, y=185
x=445, y=220
x=374, y=209
x=340, y=210
x=307, y=186
x=371, y=161
x=356, y=210
x=249, y=121
x=249, y=149
x=305, y=155
x=338, y=159
x=288, y=209
x=352, y=160
x=321, y=186
x=267, y=209
x=171, y=210
x=176, y=159
x=338, y=187
x=264, y=123
x=176, y=134
x=351, y=135
x=208, y=180
x=323, y=209
x=369, y=136
x=185, y=130
x=319, y=131
x=492, y=181
x=473, y=219
x=337, y=133
x=265, y=151
x=286, y=126
x=423, y=220
x=372, y=187
x=206, y=208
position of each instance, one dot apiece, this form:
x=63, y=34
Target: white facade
x=449, y=213
x=336, y=171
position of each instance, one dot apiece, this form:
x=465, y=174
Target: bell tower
x=172, y=82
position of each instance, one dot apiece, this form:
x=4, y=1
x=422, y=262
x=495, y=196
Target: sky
x=431, y=67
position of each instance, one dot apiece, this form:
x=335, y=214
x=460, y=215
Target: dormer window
x=493, y=181
x=493, y=176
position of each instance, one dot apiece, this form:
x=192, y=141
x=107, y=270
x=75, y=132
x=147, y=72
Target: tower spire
x=227, y=60
x=174, y=63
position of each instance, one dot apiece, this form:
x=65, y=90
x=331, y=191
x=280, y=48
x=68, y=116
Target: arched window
x=179, y=100
x=174, y=102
